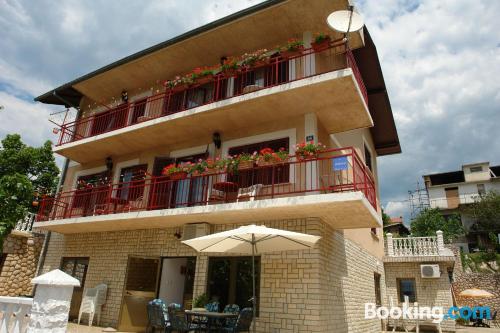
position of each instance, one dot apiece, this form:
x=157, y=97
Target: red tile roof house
x=119, y=219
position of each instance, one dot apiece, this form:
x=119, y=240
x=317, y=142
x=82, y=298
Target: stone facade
x=20, y=259
x=485, y=281
x=429, y=292
x=318, y=290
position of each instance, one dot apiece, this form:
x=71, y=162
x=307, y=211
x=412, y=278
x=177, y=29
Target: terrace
x=325, y=81
x=335, y=185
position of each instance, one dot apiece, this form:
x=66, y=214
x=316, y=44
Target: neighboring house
x=396, y=227
x=118, y=221
x=421, y=268
x=451, y=191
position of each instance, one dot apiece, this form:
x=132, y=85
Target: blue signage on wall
x=340, y=163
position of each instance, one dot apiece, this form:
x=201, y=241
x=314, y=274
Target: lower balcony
x=335, y=186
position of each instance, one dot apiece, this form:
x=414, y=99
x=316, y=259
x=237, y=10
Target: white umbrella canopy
x=476, y=293
x=259, y=239
x=253, y=239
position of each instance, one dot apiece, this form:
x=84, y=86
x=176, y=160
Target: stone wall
x=318, y=290
x=486, y=281
x=429, y=292
x=21, y=254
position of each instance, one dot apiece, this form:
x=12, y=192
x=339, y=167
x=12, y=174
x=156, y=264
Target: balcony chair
x=134, y=205
x=336, y=182
x=231, y=308
x=248, y=193
x=157, y=316
x=243, y=323
x=92, y=302
x=177, y=320
x=216, y=196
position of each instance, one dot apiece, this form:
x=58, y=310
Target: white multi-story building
x=450, y=191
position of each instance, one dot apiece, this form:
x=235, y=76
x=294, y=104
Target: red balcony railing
x=222, y=86
x=337, y=170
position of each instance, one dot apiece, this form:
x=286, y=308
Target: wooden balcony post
x=440, y=241
x=390, y=245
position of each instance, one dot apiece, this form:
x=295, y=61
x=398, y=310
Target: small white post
x=390, y=245
x=440, y=241
x=51, y=302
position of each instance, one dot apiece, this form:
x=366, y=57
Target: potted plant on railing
x=255, y=59
x=203, y=75
x=268, y=156
x=179, y=83
x=230, y=66
x=292, y=48
x=321, y=41
x=245, y=161
x=214, y=165
x=308, y=150
x=176, y=172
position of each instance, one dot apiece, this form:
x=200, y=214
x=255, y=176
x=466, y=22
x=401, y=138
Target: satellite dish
x=345, y=21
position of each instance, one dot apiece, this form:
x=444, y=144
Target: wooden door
x=159, y=196
x=452, y=197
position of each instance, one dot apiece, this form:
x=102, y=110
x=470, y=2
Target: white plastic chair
x=92, y=303
x=249, y=192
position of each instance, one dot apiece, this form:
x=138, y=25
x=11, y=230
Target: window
x=476, y=169
x=481, y=189
x=378, y=294
x=230, y=280
x=110, y=120
x=262, y=175
x=76, y=267
x=132, y=182
x=406, y=287
x=90, y=191
x=368, y=158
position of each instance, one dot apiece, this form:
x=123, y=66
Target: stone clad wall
x=486, y=281
x=20, y=261
x=317, y=290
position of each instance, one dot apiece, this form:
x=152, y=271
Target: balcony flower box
x=245, y=165
x=321, y=42
x=293, y=48
x=308, y=150
x=268, y=156
x=179, y=175
x=204, y=79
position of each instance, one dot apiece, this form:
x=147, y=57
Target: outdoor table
x=229, y=188
x=213, y=318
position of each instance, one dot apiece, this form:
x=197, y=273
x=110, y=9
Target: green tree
x=430, y=220
x=486, y=212
x=386, y=219
x=23, y=171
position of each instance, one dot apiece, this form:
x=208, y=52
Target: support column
x=309, y=60
x=390, y=245
x=311, y=167
x=440, y=241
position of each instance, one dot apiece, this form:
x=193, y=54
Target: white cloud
x=440, y=60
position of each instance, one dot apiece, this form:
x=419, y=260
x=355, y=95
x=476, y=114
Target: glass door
x=141, y=283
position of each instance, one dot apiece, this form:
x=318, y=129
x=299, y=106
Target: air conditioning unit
x=430, y=271
x=194, y=230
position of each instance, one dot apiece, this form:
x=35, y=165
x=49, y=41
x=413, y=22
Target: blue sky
x=441, y=62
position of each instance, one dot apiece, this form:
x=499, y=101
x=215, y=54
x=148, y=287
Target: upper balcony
x=324, y=81
x=335, y=186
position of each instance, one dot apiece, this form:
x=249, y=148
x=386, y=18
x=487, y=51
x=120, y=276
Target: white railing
x=26, y=224
x=415, y=246
x=14, y=314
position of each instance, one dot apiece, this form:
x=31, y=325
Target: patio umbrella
x=253, y=239
x=476, y=293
